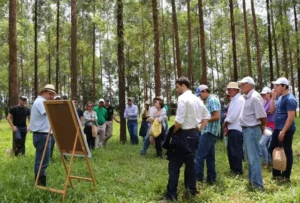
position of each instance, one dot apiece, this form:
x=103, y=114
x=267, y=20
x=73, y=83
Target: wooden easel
x=82, y=151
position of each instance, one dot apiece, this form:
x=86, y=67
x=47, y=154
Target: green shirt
x=101, y=114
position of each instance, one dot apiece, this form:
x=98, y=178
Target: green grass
x=123, y=175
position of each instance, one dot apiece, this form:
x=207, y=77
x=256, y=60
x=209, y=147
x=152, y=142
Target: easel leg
x=70, y=167
x=66, y=168
x=43, y=157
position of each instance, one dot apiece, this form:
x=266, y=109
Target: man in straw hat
x=253, y=121
x=40, y=127
x=232, y=126
x=285, y=127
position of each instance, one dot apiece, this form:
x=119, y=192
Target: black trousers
x=89, y=136
x=235, y=151
x=287, y=145
x=176, y=162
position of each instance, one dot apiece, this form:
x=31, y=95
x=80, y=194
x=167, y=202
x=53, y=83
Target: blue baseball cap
x=200, y=89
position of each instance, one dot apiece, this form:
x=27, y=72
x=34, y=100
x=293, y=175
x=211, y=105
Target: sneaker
x=265, y=165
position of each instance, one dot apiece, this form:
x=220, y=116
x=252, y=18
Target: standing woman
x=89, y=119
x=160, y=115
x=265, y=139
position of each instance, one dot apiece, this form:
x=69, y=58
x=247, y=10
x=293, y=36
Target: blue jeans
x=252, y=136
x=287, y=145
x=39, y=141
x=132, y=126
x=146, y=140
x=264, y=153
x=206, y=151
x=20, y=138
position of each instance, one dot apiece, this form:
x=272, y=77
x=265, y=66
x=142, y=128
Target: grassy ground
x=122, y=175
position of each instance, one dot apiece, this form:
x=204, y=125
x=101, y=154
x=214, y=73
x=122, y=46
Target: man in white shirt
x=234, y=130
x=253, y=120
x=190, y=113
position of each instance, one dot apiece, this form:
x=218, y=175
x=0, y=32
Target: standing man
x=285, y=128
x=40, y=128
x=102, y=116
x=78, y=110
x=131, y=114
x=109, y=120
x=190, y=113
x=17, y=120
x=233, y=129
x=208, y=137
x=253, y=121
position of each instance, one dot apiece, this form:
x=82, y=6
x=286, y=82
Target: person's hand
x=281, y=136
x=14, y=128
x=225, y=131
x=28, y=129
x=262, y=127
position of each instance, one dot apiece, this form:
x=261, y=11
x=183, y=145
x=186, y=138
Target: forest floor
x=123, y=175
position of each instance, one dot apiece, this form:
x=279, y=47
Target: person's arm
x=272, y=106
x=203, y=124
x=177, y=126
x=263, y=124
x=135, y=112
x=162, y=115
x=215, y=116
x=287, y=125
x=28, y=118
x=215, y=108
x=115, y=118
x=9, y=119
x=125, y=113
x=180, y=115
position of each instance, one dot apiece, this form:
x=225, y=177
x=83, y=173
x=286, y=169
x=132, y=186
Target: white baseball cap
x=281, y=81
x=101, y=100
x=247, y=79
x=266, y=90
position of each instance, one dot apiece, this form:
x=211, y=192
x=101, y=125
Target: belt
x=43, y=133
x=243, y=127
x=188, y=129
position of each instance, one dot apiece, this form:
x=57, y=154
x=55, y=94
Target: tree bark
x=247, y=39
x=259, y=73
x=175, y=30
x=298, y=49
x=121, y=69
x=35, y=50
x=284, y=41
x=202, y=41
x=13, y=67
x=235, y=74
x=49, y=57
x=94, y=53
x=144, y=60
x=73, y=49
x=57, y=46
x=156, y=48
x=275, y=42
x=190, y=58
x=270, y=42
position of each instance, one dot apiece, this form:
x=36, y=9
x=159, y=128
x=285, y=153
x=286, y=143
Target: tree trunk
x=94, y=53
x=259, y=73
x=73, y=49
x=13, y=67
x=144, y=61
x=156, y=48
x=284, y=48
x=247, y=39
x=275, y=43
x=235, y=74
x=35, y=50
x=49, y=57
x=190, y=65
x=121, y=69
x=270, y=42
x=175, y=30
x=100, y=67
x=298, y=50
x=57, y=46
x=202, y=41
x=174, y=55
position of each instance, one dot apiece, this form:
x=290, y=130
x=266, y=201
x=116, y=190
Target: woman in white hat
x=266, y=93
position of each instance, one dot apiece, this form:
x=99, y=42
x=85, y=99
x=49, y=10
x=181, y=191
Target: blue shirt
x=212, y=104
x=39, y=120
x=131, y=112
x=284, y=104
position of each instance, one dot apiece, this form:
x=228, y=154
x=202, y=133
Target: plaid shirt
x=212, y=104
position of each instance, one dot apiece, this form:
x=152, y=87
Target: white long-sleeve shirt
x=190, y=111
x=234, y=111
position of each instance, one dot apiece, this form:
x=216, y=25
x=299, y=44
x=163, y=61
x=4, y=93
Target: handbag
x=279, y=159
x=94, y=130
x=156, y=128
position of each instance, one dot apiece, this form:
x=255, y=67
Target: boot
x=42, y=181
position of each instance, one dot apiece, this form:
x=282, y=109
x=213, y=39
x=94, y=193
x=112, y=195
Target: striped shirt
x=212, y=104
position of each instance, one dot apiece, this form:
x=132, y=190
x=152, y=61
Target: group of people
x=246, y=122
x=254, y=124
